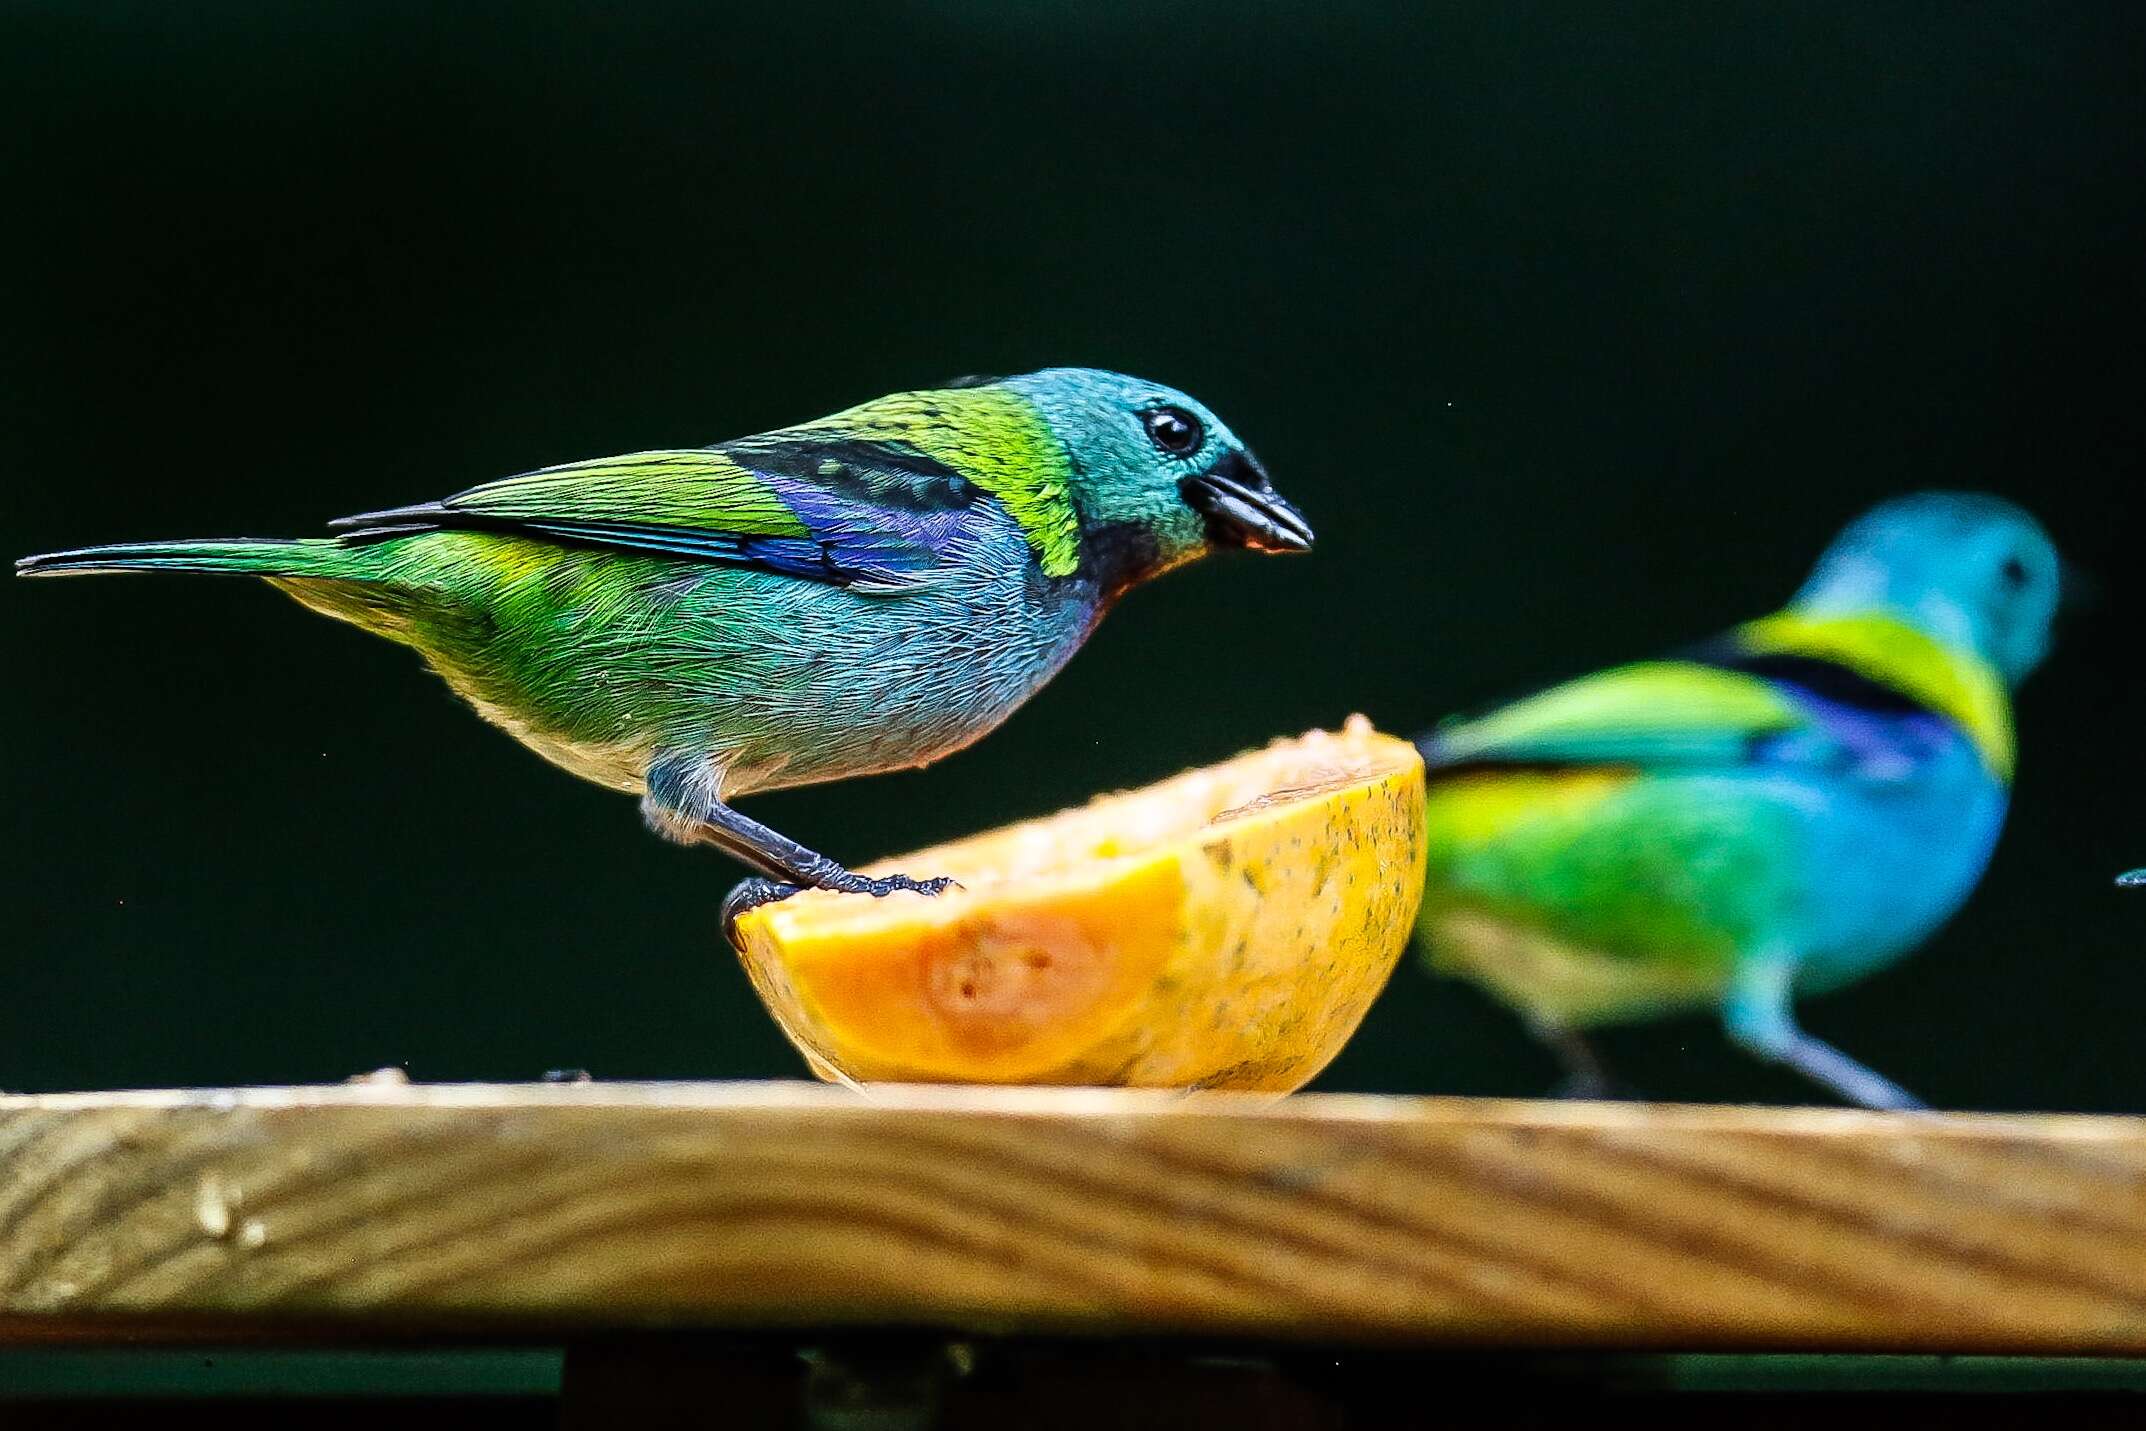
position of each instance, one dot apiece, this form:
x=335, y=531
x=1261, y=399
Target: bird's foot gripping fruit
x=1223, y=929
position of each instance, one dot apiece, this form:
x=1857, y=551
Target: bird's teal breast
x=1893, y=860
x=806, y=682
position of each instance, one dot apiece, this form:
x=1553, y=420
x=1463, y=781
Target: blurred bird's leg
x=683, y=804
x=1586, y=1077
x=1758, y=1016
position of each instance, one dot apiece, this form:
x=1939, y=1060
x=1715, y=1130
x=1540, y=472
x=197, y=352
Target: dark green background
x=1575, y=329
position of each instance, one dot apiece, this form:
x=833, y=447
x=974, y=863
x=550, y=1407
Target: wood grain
x=384, y=1211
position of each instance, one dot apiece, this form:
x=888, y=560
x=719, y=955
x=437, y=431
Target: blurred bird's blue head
x=1156, y=477
x=1973, y=571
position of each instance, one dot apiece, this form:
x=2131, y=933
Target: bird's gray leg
x=1586, y=1077
x=684, y=803
x=1757, y=1016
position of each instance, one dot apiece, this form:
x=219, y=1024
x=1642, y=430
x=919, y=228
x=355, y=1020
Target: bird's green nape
x=681, y=489
x=1952, y=680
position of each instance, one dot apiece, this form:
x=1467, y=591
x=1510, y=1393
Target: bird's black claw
x=751, y=894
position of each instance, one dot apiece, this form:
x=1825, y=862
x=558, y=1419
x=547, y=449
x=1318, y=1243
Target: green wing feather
x=1653, y=713
x=694, y=488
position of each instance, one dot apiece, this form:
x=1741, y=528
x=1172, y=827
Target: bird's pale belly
x=1566, y=981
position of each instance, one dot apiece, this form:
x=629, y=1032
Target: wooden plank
x=387, y=1212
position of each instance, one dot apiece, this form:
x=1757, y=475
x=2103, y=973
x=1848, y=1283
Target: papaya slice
x=1226, y=928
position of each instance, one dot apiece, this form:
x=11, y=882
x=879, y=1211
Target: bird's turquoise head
x=1971, y=570
x=1155, y=477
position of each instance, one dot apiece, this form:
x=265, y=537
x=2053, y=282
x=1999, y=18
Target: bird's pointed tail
x=241, y=556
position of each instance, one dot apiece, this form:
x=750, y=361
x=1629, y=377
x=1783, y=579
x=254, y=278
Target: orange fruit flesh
x=1226, y=928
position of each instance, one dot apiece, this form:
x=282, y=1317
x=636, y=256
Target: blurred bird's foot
x=1586, y=1077
x=1757, y=1016
x=1592, y=1088
x=1859, y=1084
x=1580, y=1088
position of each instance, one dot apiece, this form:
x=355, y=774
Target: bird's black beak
x=1243, y=509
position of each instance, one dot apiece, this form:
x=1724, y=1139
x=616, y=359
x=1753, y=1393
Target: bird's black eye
x=1173, y=430
x=2014, y=572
